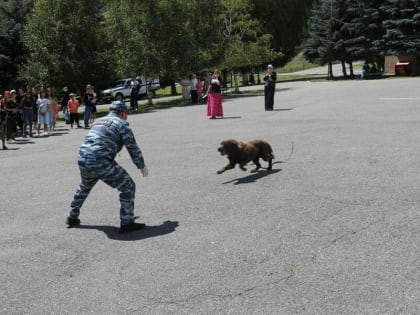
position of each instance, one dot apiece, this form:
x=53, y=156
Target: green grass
x=298, y=63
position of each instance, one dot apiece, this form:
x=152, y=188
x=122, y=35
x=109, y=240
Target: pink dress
x=214, y=100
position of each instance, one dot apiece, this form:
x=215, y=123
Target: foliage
x=244, y=42
x=65, y=44
x=285, y=21
x=75, y=42
x=349, y=30
x=13, y=54
x=401, y=20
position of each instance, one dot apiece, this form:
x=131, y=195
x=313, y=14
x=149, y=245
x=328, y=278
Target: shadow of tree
x=113, y=232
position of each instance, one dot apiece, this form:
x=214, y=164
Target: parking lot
x=332, y=229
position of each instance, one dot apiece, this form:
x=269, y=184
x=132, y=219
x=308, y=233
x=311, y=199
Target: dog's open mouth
x=222, y=152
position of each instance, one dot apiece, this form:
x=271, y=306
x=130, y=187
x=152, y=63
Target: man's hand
x=145, y=171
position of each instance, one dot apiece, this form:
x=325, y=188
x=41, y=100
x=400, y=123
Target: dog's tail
x=271, y=153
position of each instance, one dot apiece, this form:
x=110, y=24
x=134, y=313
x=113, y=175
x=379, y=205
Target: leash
x=290, y=154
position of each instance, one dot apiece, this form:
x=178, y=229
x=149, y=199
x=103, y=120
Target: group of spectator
x=370, y=69
x=195, y=88
x=23, y=113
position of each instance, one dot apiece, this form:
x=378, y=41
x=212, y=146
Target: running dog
x=243, y=152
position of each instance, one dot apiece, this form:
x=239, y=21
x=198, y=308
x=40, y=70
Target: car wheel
x=119, y=97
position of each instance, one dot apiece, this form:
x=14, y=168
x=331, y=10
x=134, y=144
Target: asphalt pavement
x=334, y=228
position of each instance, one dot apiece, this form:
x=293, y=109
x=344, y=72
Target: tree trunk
x=173, y=88
x=330, y=71
x=351, y=69
x=343, y=66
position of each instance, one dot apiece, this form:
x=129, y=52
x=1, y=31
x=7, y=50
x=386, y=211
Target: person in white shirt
x=193, y=89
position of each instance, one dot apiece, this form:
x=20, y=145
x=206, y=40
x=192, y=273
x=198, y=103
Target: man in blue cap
x=96, y=161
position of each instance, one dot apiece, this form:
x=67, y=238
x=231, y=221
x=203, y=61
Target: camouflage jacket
x=105, y=139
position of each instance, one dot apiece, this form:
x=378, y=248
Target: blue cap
x=118, y=106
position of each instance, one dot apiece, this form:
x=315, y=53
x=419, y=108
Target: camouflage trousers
x=113, y=175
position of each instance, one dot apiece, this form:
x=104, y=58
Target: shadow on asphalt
x=23, y=141
x=150, y=231
x=252, y=178
x=58, y=134
x=226, y=117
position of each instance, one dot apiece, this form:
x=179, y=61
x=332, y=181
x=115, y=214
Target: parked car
x=120, y=90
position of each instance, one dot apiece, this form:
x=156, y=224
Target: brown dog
x=243, y=152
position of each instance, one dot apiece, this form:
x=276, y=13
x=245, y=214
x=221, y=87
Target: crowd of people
x=211, y=85
x=33, y=113
x=208, y=88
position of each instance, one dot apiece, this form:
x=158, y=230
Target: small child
x=199, y=87
x=73, y=106
x=55, y=108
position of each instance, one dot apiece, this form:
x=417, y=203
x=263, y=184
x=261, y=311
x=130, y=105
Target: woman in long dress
x=214, y=97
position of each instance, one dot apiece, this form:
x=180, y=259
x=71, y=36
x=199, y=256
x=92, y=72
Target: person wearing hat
x=269, y=87
x=96, y=161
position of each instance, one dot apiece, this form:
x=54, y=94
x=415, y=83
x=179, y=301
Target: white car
x=121, y=89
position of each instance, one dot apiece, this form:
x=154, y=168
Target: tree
x=65, y=44
x=286, y=21
x=155, y=37
x=364, y=25
x=343, y=30
x=244, y=43
x=12, y=53
x=320, y=46
x=402, y=24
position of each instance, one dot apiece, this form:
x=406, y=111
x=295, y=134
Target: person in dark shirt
x=87, y=101
x=3, y=117
x=12, y=113
x=269, y=87
x=65, y=97
x=27, y=104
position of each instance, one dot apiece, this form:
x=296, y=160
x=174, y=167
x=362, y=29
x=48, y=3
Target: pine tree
x=402, y=24
x=320, y=46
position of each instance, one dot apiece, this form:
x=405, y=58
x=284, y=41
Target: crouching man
x=96, y=161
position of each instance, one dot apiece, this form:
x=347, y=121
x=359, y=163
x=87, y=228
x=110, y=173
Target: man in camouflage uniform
x=96, y=162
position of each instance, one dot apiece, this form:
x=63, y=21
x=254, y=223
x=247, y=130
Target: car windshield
x=120, y=83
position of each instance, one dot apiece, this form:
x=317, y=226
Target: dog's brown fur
x=243, y=152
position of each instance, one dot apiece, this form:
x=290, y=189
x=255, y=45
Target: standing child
x=55, y=108
x=43, y=116
x=73, y=107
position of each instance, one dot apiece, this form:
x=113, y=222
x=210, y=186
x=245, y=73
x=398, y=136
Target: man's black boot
x=72, y=222
x=133, y=226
